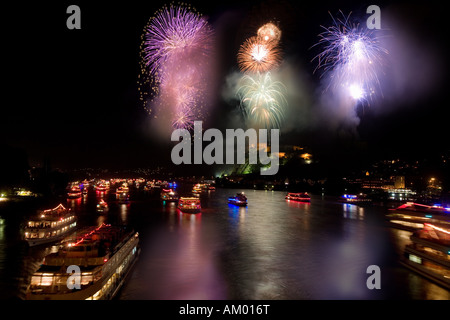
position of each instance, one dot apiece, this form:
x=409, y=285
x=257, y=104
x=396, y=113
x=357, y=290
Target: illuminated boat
x=102, y=207
x=303, y=197
x=429, y=254
x=189, y=205
x=239, y=200
x=74, y=192
x=50, y=225
x=101, y=258
x=100, y=187
x=358, y=199
x=123, y=188
x=197, y=188
x=168, y=195
x=412, y=216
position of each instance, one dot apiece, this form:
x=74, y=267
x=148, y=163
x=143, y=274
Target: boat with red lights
x=238, y=200
x=412, y=216
x=189, y=205
x=302, y=197
x=429, y=254
x=102, y=207
x=101, y=258
x=50, y=225
x=74, y=192
x=169, y=195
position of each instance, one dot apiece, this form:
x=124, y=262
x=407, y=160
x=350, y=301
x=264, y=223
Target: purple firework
x=352, y=57
x=175, y=32
x=176, y=53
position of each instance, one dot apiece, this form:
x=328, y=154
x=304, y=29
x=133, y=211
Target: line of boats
x=105, y=253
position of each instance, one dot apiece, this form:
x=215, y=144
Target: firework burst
x=352, y=57
x=258, y=56
x=175, y=54
x=263, y=100
x=269, y=32
x=175, y=31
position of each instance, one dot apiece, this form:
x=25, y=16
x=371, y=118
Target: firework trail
x=263, y=100
x=175, y=54
x=352, y=58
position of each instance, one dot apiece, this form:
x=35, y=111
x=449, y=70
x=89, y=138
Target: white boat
x=104, y=256
x=429, y=254
x=50, y=225
x=412, y=216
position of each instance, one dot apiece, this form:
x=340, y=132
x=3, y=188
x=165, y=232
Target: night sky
x=72, y=97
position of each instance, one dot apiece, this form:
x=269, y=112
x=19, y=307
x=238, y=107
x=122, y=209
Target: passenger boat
x=189, y=205
x=74, y=192
x=238, y=200
x=101, y=258
x=102, y=207
x=50, y=225
x=303, y=197
x=168, y=195
x=412, y=216
x=429, y=254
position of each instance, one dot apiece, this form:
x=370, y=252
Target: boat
x=412, y=216
x=197, y=188
x=303, y=197
x=169, y=195
x=357, y=199
x=102, y=207
x=101, y=258
x=122, y=193
x=238, y=200
x=429, y=254
x=74, y=192
x=189, y=205
x=50, y=225
x=100, y=187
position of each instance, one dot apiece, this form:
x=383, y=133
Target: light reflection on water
x=271, y=249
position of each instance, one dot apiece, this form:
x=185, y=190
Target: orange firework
x=269, y=33
x=258, y=56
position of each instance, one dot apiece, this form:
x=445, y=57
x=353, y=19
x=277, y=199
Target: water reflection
x=124, y=207
x=237, y=214
x=74, y=203
x=351, y=211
